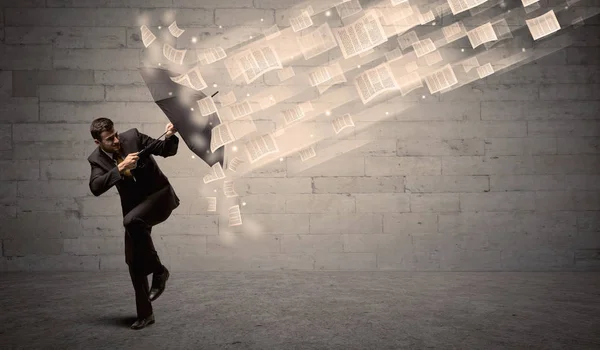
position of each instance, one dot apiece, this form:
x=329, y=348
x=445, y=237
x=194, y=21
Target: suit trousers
x=141, y=256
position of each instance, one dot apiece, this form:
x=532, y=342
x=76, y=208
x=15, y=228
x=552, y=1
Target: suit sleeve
x=165, y=148
x=101, y=181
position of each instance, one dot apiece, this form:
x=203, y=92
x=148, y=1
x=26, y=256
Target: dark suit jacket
x=148, y=180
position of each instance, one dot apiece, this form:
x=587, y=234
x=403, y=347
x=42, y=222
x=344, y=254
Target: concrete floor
x=305, y=310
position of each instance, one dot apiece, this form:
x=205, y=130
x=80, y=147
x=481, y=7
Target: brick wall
x=500, y=174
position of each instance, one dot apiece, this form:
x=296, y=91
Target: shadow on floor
x=118, y=321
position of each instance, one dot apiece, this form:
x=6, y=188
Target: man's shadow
x=113, y=320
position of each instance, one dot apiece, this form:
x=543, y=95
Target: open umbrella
x=177, y=101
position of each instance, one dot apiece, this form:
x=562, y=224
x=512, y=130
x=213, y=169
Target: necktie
x=119, y=159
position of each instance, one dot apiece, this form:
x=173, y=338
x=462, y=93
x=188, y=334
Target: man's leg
x=142, y=290
x=138, y=223
x=145, y=258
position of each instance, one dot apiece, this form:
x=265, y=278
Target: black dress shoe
x=143, y=322
x=159, y=283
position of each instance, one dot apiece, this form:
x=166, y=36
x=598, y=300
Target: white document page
x=147, y=36
x=175, y=30
x=458, y=6
x=207, y=106
x=260, y=147
x=172, y=54
x=360, y=36
x=316, y=42
x=300, y=22
x=221, y=135
x=410, y=82
x=482, y=34
x=423, y=47
x=441, y=79
x=342, y=122
x=543, y=25
x=374, y=82
x=348, y=8
x=307, y=153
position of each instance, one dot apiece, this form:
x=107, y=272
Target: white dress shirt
x=111, y=155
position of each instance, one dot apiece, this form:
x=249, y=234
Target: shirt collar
x=111, y=155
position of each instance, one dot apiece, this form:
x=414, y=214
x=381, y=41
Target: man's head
x=104, y=134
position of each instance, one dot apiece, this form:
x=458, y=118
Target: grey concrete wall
x=502, y=174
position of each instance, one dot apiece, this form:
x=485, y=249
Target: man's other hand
x=170, y=129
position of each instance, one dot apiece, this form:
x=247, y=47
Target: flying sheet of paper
x=227, y=99
x=233, y=66
x=348, y=8
x=307, y=153
x=393, y=55
x=260, y=147
x=324, y=74
x=411, y=66
x=485, y=70
x=207, y=106
x=192, y=79
x=256, y=62
x=528, y=2
x=482, y=34
x=426, y=17
x=458, y=6
x=172, y=54
x=240, y=110
x=441, y=79
x=337, y=79
x=316, y=42
x=407, y=39
x=423, y=47
x=309, y=9
x=235, y=217
x=391, y=16
x=374, y=82
x=216, y=173
x=272, y=32
x=404, y=22
x=298, y=112
x=442, y=10
x=211, y=55
x=543, y=25
x=470, y=63
x=175, y=30
x=234, y=163
x=300, y=22
x=454, y=31
x=286, y=73
x=147, y=36
x=433, y=58
x=362, y=35
x=267, y=102
x=228, y=189
x=212, y=203
x=342, y=122
x=532, y=7
x=410, y=82
x=221, y=135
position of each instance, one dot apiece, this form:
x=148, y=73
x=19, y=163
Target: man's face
x=110, y=141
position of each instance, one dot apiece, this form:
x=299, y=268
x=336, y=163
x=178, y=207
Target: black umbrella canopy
x=177, y=101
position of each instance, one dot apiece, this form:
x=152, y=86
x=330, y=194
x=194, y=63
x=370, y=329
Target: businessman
x=147, y=199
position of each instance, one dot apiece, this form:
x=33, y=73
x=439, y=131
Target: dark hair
x=100, y=125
